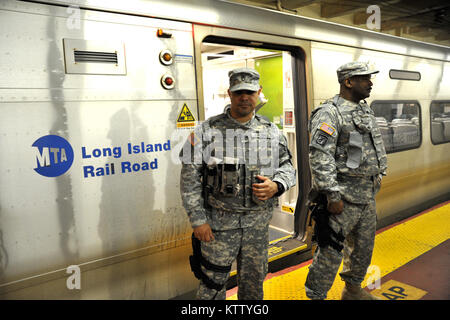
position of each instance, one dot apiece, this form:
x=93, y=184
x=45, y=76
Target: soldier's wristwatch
x=280, y=189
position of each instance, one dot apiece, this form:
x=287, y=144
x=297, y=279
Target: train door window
x=276, y=104
x=440, y=121
x=399, y=123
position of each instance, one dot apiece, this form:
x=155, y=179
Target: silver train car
x=97, y=97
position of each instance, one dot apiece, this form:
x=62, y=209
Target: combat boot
x=353, y=292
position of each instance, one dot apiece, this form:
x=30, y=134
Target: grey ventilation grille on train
x=94, y=57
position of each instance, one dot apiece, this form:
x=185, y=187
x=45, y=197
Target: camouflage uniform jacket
x=347, y=155
x=244, y=140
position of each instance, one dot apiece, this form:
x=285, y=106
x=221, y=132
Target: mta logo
x=54, y=155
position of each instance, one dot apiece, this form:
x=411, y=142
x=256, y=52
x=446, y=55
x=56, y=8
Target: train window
x=400, y=124
x=440, y=121
x=404, y=75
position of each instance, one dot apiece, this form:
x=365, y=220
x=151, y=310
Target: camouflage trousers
x=249, y=247
x=358, y=225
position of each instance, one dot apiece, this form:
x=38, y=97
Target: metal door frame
x=303, y=98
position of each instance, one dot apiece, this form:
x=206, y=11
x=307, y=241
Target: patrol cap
x=355, y=68
x=244, y=79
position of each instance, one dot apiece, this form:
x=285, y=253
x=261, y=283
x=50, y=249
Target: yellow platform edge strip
x=394, y=248
x=289, y=252
x=280, y=239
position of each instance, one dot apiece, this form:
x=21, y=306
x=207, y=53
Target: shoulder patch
x=325, y=127
x=321, y=139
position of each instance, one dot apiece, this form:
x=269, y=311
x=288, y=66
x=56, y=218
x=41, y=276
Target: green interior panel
x=271, y=72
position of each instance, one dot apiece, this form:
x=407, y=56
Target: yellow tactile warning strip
x=394, y=247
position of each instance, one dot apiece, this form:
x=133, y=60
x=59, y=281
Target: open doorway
x=276, y=104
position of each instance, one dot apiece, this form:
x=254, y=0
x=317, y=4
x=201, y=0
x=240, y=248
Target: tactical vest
x=358, y=132
x=235, y=162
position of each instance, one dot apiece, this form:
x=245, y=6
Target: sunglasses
x=247, y=92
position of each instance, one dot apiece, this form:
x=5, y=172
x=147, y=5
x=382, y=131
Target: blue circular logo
x=54, y=155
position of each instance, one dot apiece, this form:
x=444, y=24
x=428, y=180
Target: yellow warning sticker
x=288, y=209
x=185, y=115
x=185, y=124
x=394, y=290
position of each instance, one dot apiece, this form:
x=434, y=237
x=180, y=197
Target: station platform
x=410, y=262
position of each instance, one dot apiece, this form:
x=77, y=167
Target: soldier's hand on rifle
x=335, y=207
x=266, y=189
x=204, y=233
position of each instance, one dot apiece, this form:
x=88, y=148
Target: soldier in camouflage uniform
x=347, y=160
x=234, y=166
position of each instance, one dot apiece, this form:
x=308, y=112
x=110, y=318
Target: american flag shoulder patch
x=325, y=127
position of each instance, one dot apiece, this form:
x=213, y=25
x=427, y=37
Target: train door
x=281, y=64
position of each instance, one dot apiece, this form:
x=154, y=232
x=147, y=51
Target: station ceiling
x=427, y=20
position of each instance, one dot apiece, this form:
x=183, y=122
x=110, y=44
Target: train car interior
x=399, y=124
x=440, y=121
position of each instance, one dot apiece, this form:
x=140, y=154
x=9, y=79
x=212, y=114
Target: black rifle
x=323, y=233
